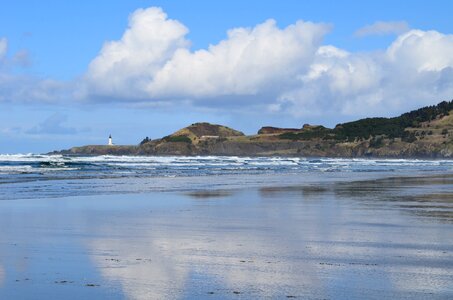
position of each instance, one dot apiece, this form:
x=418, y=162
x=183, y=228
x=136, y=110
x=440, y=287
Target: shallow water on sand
x=277, y=237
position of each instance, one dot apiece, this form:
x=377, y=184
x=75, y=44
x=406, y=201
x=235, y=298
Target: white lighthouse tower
x=110, y=140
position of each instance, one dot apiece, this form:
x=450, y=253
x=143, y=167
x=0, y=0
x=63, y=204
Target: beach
x=375, y=236
x=226, y=150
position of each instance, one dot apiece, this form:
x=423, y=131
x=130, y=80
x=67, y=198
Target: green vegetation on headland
x=425, y=132
x=178, y=139
x=371, y=127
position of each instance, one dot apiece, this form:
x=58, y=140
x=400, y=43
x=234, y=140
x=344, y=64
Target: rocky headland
x=423, y=133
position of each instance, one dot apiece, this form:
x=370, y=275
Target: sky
x=73, y=72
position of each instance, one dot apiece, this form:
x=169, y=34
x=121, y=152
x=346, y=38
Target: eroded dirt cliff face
x=270, y=146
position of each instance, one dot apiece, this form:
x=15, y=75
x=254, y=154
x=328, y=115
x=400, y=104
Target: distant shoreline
x=251, y=155
x=423, y=133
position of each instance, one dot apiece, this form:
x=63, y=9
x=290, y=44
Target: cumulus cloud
x=414, y=70
x=281, y=70
x=251, y=61
x=422, y=51
x=383, y=28
x=266, y=68
x=334, y=79
x=152, y=60
x=125, y=67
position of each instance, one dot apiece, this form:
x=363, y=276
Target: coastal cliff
x=424, y=133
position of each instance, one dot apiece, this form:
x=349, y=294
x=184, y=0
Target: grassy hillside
x=197, y=132
x=364, y=129
x=425, y=132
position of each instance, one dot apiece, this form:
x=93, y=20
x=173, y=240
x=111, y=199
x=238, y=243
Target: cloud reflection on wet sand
x=368, y=239
x=310, y=241
x=163, y=262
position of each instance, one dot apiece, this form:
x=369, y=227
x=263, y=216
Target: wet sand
x=388, y=238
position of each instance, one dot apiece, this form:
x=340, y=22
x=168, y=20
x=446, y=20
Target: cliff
x=424, y=133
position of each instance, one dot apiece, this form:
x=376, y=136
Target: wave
x=92, y=166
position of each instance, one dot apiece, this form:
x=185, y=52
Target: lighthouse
x=110, y=140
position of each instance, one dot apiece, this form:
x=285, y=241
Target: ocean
x=30, y=175
x=123, y=227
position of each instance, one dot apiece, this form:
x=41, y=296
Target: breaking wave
x=98, y=166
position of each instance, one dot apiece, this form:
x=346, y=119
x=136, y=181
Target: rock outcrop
x=424, y=133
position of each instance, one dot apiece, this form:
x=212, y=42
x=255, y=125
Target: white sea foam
x=29, y=163
x=15, y=169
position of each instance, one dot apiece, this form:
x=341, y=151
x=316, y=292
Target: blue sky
x=61, y=84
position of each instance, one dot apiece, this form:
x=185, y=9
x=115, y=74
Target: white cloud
x=263, y=68
x=152, y=60
x=422, y=51
x=126, y=66
x=251, y=61
x=281, y=70
x=383, y=28
x=332, y=82
x=415, y=70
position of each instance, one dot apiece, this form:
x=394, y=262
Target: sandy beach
x=384, y=238
x=214, y=150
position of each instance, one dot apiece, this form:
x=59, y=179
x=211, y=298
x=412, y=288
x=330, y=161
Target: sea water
x=30, y=175
x=119, y=227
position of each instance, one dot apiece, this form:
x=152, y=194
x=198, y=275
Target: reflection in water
x=144, y=272
x=303, y=190
x=204, y=194
x=422, y=196
x=350, y=240
x=309, y=242
x=165, y=261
